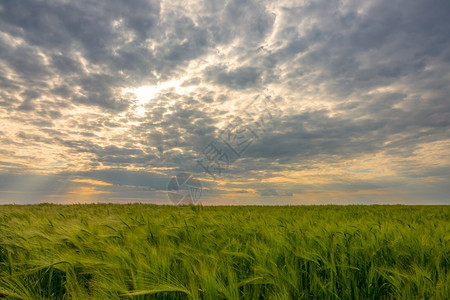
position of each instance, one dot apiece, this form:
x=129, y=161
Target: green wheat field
x=136, y=251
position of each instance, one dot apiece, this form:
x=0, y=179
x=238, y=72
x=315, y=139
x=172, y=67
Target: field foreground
x=107, y=251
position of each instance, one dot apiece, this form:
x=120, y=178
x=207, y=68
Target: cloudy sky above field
x=105, y=101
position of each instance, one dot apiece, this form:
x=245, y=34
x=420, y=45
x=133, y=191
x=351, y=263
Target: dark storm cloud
x=348, y=55
x=247, y=21
x=240, y=78
x=315, y=133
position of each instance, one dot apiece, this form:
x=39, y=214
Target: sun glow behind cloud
x=144, y=94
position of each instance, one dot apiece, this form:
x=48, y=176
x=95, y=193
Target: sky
x=260, y=102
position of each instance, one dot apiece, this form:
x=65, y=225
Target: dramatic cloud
x=106, y=100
